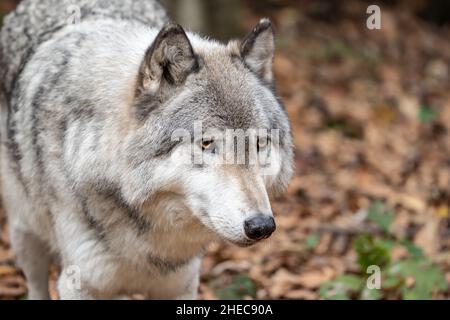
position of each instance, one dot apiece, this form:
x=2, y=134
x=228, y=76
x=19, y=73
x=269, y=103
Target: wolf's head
x=211, y=132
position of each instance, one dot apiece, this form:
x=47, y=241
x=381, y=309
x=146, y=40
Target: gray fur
x=88, y=111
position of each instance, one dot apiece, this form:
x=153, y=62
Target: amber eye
x=206, y=144
x=261, y=143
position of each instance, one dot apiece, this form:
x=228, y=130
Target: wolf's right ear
x=258, y=48
x=168, y=61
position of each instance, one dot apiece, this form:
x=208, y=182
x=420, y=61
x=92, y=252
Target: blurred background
x=370, y=112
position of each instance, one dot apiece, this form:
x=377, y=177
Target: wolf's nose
x=259, y=226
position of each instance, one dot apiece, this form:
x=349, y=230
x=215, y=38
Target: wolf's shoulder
x=34, y=22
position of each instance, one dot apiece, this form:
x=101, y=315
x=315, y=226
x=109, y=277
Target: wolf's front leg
x=69, y=286
x=181, y=284
x=34, y=258
x=92, y=276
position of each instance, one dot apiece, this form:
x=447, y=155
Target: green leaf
x=371, y=294
x=340, y=49
x=372, y=252
x=391, y=282
x=380, y=216
x=311, y=241
x=415, y=294
x=428, y=279
x=427, y=114
x=239, y=287
x=414, y=251
x=385, y=243
x=341, y=288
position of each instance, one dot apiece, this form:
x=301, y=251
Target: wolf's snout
x=259, y=226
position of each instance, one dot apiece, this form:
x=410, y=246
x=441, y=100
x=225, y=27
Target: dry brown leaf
x=6, y=256
x=301, y=294
x=398, y=253
x=324, y=244
x=13, y=292
x=428, y=236
x=206, y=292
x=281, y=282
x=235, y=266
x=442, y=211
x=313, y=279
x=8, y=270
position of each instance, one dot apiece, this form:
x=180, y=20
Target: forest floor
x=370, y=112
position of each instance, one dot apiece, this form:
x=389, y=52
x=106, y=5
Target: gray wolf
x=89, y=170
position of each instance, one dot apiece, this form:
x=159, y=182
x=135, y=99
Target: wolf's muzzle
x=259, y=226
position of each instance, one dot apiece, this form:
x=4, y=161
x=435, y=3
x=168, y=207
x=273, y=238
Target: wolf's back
x=35, y=21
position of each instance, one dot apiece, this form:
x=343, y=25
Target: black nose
x=259, y=226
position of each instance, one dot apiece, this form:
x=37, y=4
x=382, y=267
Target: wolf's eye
x=261, y=143
x=207, y=144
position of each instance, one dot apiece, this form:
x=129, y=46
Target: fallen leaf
x=315, y=278
x=442, y=212
x=7, y=270
x=301, y=294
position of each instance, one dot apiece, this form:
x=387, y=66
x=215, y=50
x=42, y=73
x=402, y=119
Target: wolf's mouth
x=244, y=243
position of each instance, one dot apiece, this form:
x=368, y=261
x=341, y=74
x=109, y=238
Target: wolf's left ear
x=258, y=48
x=168, y=61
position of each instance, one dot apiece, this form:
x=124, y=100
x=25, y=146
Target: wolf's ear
x=258, y=48
x=168, y=61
